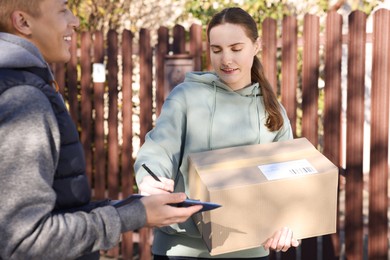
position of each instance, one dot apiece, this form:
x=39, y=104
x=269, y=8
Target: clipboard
x=186, y=203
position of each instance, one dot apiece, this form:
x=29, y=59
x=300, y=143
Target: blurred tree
x=150, y=14
x=277, y=9
x=128, y=14
x=95, y=14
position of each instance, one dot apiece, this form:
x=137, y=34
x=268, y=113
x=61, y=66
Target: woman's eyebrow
x=231, y=45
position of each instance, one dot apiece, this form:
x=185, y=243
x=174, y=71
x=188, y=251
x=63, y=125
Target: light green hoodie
x=201, y=114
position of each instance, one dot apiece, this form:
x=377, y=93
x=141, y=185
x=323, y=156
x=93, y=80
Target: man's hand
x=159, y=213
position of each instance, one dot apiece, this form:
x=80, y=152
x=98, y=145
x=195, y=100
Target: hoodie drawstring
x=212, y=116
x=256, y=103
x=55, y=85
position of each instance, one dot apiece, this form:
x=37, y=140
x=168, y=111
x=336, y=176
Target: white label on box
x=288, y=169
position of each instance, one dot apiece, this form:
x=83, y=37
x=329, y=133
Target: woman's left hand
x=282, y=240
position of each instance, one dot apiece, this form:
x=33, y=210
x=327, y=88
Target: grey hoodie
x=29, y=152
x=201, y=114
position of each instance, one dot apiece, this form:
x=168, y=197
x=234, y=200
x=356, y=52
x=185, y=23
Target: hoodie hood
x=212, y=79
x=16, y=52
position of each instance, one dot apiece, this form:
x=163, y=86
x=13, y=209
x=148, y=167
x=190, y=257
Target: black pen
x=150, y=172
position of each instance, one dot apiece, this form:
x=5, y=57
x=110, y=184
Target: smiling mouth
x=228, y=70
x=68, y=38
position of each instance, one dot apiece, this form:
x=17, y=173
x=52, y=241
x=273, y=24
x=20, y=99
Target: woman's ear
x=257, y=45
x=20, y=23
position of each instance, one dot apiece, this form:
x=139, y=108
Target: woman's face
x=231, y=53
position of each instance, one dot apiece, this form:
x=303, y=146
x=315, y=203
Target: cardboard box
x=263, y=188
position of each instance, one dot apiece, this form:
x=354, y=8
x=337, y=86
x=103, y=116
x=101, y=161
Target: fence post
x=146, y=116
x=355, y=136
x=98, y=87
x=71, y=76
x=127, y=160
x=112, y=139
x=179, y=39
x=378, y=201
x=289, y=69
x=86, y=100
x=161, y=52
x=269, y=51
x=113, y=146
x=310, y=101
x=332, y=113
x=196, y=48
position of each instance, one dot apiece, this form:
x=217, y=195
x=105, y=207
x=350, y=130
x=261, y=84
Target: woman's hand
x=282, y=240
x=150, y=186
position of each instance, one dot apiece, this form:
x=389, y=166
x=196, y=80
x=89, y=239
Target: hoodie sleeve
x=29, y=150
x=162, y=149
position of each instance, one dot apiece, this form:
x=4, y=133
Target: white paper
x=99, y=73
x=275, y=171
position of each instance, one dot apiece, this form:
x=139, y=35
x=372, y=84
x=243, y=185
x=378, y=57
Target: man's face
x=51, y=32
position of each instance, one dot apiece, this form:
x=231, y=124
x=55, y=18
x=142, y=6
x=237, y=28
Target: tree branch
x=337, y=5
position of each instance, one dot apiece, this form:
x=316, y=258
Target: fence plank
x=99, y=154
x=310, y=73
x=378, y=201
x=355, y=137
x=161, y=52
x=333, y=112
x=289, y=69
x=196, y=45
x=127, y=173
x=288, y=89
x=179, y=39
x=71, y=76
x=146, y=114
x=268, y=58
x=310, y=101
x=86, y=100
x=113, y=146
x=112, y=139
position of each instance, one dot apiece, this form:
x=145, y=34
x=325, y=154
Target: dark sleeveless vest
x=70, y=180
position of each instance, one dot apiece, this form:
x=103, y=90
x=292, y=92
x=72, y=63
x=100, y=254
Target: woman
x=235, y=105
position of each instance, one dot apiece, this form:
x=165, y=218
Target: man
x=45, y=210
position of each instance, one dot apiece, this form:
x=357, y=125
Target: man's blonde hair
x=32, y=7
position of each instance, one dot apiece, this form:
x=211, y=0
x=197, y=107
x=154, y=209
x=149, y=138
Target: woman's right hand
x=150, y=186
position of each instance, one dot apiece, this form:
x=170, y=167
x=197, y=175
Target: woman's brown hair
x=237, y=16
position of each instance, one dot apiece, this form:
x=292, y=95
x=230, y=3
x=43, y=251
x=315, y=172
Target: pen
x=150, y=172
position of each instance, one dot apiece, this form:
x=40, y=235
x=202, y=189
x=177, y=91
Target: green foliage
x=203, y=10
x=368, y=5
x=98, y=14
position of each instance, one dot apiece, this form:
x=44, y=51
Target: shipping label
x=275, y=171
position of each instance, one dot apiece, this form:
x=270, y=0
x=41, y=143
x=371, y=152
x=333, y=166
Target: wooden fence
x=106, y=113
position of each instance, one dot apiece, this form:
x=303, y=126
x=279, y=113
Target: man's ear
x=20, y=23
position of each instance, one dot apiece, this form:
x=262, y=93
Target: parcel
x=263, y=188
